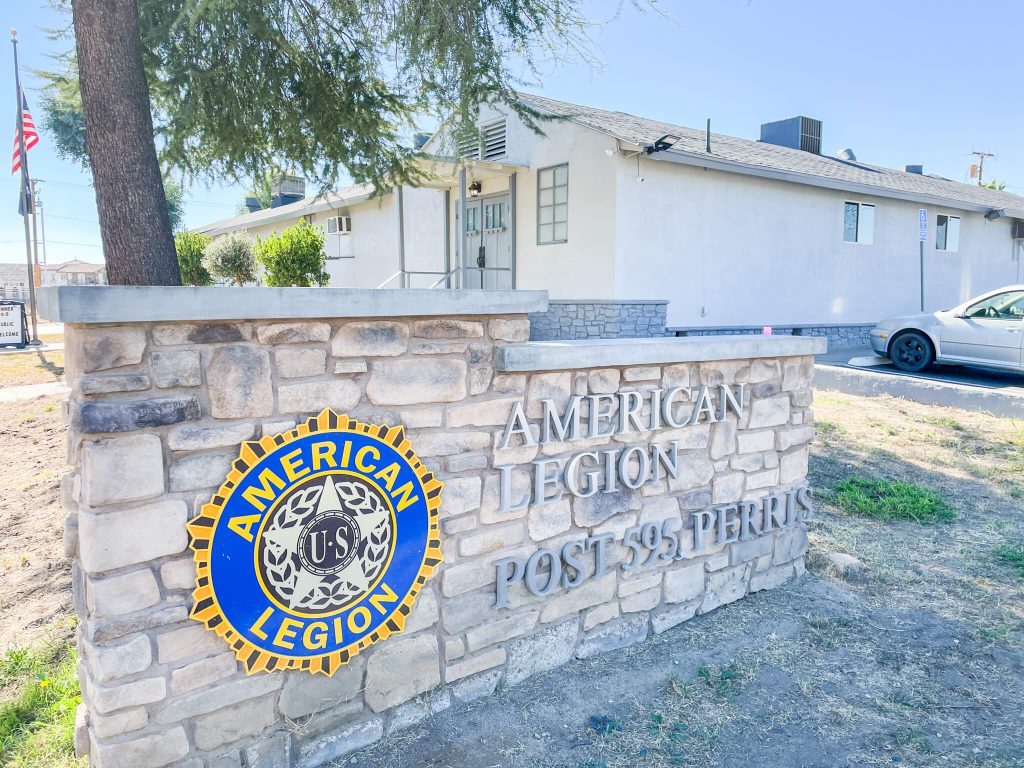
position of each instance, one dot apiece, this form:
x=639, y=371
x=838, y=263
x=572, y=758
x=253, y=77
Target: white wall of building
x=369, y=255
x=729, y=249
x=583, y=267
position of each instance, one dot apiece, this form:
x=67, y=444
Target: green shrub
x=189, y=247
x=887, y=500
x=294, y=256
x=232, y=256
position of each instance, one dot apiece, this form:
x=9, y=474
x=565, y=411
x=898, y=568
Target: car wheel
x=911, y=352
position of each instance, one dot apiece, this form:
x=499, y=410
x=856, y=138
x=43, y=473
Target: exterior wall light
x=994, y=214
x=665, y=142
x=474, y=189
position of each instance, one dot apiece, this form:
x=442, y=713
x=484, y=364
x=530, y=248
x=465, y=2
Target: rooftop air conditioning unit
x=339, y=225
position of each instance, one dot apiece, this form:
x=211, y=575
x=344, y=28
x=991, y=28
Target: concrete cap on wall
x=142, y=304
x=602, y=353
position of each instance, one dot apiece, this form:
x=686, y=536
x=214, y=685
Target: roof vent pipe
x=707, y=138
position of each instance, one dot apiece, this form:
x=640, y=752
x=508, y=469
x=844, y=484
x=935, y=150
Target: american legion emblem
x=316, y=545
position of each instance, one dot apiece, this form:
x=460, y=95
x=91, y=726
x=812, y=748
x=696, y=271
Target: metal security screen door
x=488, y=243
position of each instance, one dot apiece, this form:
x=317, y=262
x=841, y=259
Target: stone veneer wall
x=583, y=319
x=837, y=335
x=157, y=412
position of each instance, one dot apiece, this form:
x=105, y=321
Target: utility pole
x=36, y=271
x=981, y=165
x=42, y=228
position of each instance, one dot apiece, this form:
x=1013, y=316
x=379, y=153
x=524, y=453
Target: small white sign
x=922, y=220
x=10, y=324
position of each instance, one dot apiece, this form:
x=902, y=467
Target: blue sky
x=898, y=81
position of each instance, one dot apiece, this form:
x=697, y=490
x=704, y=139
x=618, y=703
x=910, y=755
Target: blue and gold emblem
x=316, y=544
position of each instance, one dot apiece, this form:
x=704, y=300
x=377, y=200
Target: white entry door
x=488, y=243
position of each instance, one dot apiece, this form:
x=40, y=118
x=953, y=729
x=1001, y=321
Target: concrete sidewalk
x=30, y=349
x=32, y=391
x=857, y=371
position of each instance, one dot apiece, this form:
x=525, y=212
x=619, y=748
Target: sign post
x=922, y=222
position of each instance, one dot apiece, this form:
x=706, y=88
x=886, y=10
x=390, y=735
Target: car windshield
x=1002, y=306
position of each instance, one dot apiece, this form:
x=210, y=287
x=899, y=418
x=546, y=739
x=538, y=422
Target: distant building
x=75, y=272
x=14, y=282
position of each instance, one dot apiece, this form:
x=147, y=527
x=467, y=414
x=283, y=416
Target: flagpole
x=24, y=188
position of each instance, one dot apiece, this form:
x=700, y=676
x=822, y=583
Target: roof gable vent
x=802, y=133
x=468, y=144
x=494, y=139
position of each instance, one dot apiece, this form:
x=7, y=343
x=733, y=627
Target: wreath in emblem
x=361, y=536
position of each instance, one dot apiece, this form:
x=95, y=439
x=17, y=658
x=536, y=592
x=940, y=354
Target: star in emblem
x=288, y=538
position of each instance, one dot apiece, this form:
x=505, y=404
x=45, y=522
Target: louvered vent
x=494, y=140
x=469, y=144
x=810, y=135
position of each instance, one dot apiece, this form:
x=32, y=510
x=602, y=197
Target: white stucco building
x=732, y=232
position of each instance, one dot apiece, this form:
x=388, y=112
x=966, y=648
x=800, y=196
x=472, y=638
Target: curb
x=854, y=381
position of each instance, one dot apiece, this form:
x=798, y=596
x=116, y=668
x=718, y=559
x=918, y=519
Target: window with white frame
x=553, y=204
x=859, y=223
x=947, y=233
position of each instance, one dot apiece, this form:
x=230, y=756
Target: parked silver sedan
x=987, y=331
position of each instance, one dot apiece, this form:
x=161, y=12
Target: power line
x=65, y=183
x=72, y=218
x=57, y=242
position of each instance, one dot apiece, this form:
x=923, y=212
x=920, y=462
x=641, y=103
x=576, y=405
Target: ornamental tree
x=293, y=257
x=233, y=257
x=190, y=247
x=227, y=89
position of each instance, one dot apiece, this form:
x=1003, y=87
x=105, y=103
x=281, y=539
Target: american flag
x=31, y=136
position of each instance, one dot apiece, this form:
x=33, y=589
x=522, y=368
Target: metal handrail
x=444, y=276
x=397, y=274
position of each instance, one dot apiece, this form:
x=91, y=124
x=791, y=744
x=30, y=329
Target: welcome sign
x=316, y=545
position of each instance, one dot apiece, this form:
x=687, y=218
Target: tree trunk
x=136, y=229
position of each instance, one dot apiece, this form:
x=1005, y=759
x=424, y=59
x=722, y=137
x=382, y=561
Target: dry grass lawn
x=31, y=368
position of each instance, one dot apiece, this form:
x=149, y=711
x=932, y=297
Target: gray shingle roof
x=755, y=157
x=346, y=196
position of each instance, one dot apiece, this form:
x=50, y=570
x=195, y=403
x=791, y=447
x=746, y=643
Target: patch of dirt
x=914, y=658
x=35, y=577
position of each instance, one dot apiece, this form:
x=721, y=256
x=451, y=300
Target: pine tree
x=328, y=89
